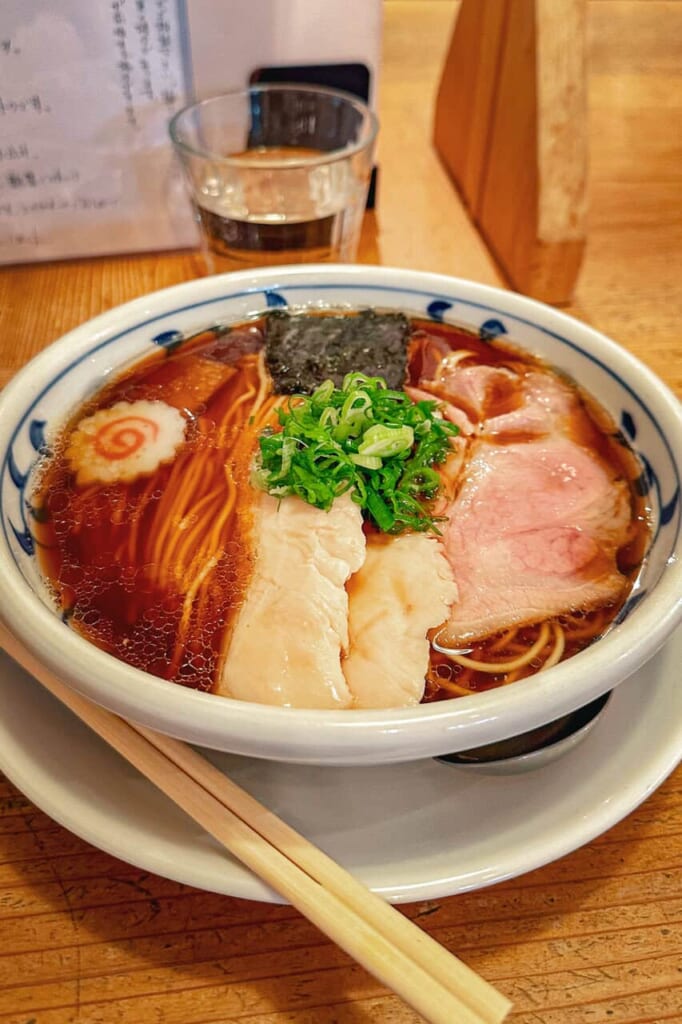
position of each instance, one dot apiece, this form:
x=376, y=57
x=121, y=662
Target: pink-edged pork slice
x=290, y=633
x=476, y=389
x=403, y=590
x=546, y=405
x=534, y=532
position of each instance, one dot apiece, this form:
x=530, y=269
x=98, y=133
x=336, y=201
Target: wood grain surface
x=594, y=938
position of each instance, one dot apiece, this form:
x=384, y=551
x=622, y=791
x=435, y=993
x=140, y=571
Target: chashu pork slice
x=533, y=532
x=404, y=589
x=290, y=633
x=547, y=405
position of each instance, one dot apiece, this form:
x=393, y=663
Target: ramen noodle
x=163, y=545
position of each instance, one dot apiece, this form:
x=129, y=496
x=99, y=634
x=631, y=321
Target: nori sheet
x=302, y=350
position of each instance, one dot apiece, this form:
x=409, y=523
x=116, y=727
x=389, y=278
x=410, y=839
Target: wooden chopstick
x=397, y=952
x=454, y=975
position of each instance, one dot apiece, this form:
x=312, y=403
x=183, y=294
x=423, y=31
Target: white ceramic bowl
x=37, y=400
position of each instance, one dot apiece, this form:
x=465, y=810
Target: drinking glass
x=277, y=174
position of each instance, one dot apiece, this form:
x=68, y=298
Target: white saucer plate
x=412, y=831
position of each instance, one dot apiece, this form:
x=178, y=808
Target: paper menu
x=86, y=92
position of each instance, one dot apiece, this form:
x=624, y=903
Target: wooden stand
x=511, y=128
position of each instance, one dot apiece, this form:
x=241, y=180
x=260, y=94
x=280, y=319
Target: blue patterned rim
x=435, y=307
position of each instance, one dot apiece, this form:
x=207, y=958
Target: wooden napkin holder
x=511, y=129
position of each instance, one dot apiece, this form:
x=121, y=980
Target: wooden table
x=595, y=937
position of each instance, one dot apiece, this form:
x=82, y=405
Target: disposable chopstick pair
x=397, y=952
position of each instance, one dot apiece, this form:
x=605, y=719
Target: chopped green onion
x=329, y=415
x=286, y=452
x=322, y=395
x=384, y=441
x=364, y=438
x=366, y=461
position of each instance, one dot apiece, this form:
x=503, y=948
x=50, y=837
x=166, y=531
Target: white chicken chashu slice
x=291, y=631
x=404, y=589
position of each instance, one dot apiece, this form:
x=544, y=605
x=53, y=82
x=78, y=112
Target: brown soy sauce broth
x=123, y=560
x=100, y=546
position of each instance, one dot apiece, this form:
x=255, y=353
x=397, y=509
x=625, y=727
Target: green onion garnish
x=364, y=438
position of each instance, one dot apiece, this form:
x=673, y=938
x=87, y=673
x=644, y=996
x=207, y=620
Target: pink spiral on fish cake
x=125, y=441
x=122, y=437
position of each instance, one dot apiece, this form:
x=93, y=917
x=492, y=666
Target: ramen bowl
x=43, y=395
